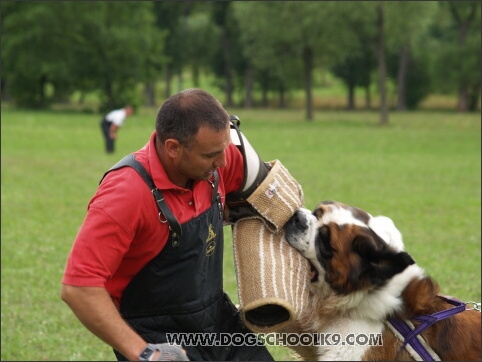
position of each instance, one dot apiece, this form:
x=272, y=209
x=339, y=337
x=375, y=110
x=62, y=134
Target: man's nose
x=220, y=160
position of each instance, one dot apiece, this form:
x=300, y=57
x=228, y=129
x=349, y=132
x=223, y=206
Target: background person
x=134, y=273
x=111, y=123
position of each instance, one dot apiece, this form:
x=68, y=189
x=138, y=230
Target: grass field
x=423, y=170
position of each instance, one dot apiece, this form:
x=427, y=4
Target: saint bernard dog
x=362, y=278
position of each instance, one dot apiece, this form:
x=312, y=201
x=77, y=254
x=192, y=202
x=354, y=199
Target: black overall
x=181, y=291
x=109, y=142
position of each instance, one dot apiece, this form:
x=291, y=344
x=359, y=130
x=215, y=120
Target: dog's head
x=349, y=249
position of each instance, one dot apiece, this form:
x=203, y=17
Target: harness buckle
x=475, y=306
x=160, y=219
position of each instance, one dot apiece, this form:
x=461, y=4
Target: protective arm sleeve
x=255, y=171
x=268, y=189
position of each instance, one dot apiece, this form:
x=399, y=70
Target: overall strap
x=215, y=185
x=130, y=160
x=216, y=196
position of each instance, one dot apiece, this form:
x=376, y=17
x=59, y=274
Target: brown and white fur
x=361, y=276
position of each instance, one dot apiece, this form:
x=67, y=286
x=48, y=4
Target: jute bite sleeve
x=272, y=276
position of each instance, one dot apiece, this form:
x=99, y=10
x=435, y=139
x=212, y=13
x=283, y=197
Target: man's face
x=204, y=154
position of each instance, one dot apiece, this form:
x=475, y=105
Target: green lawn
x=422, y=170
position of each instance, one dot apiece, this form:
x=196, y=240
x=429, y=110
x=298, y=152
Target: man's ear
x=173, y=147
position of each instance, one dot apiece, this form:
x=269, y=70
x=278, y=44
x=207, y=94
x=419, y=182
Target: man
x=143, y=267
x=111, y=123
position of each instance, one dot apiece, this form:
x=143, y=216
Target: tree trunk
x=382, y=67
x=150, y=92
x=402, y=78
x=42, y=84
x=282, y=98
x=463, y=101
x=368, y=97
x=474, y=97
x=109, y=95
x=351, y=97
x=463, y=27
x=264, y=95
x=248, y=101
x=227, y=67
x=82, y=97
x=195, y=76
x=308, y=69
x=167, y=81
x=180, y=80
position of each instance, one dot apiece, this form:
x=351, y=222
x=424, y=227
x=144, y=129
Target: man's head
x=182, y=114
x=193, y=133
x=129, y=110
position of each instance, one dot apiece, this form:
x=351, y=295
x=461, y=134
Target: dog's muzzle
x=297, y=223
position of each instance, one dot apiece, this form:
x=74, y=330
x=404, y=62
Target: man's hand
x=94, y=307
x=113, y=131
x=169, y=352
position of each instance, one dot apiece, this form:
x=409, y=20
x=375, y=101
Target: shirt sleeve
x=116, y=218
x=233, y=173
x=97, y=251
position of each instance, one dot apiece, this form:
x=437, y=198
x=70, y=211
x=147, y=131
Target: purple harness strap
x=426, y=321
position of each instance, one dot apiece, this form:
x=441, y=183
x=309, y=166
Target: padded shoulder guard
x=255, y=171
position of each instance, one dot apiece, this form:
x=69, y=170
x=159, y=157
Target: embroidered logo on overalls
x=210, y=241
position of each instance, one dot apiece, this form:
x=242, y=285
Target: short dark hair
x=182, y=114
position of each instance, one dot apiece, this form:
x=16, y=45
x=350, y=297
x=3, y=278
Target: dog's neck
x=374, y=304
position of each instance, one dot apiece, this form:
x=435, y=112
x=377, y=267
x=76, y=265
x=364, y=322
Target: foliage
x=285, y=40
x=52, y=50
x=455, y=48
x=32, y=41
x=418, y=82
x=105, y=46
x=276, y=61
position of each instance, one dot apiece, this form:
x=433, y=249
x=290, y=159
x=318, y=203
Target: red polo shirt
x=121, y=231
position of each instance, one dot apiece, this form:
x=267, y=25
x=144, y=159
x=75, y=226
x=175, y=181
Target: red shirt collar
x=154, y=166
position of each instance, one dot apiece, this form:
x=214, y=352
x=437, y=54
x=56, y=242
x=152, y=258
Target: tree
x=202, y=39
x=168, y=16
x=466, y=18
x=221, y=17
x=407, y=26
x=104, y=46
x=118, y=41
x=273, y=63
x=380, y=53
x=36, y=50
x=296, y=33
x=355, y=70
x=454, y=52
x=356, y=65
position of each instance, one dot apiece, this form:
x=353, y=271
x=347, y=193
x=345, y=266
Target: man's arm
x=94, y=307
x=113, y=130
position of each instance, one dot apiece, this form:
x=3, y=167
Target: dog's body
x=361, y=277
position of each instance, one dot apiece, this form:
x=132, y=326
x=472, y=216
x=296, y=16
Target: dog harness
x=415, y=344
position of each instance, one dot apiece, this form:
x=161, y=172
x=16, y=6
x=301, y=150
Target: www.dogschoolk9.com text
x=275, y=339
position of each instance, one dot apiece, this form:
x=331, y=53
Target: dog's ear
x=379, y=262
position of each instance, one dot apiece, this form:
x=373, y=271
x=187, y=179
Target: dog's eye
x=318, y=213
x=323, y=242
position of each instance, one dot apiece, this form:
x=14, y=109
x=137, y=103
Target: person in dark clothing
x=110, y=124
x=143, y=269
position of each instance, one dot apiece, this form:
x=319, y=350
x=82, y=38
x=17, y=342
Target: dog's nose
x=300, y=221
